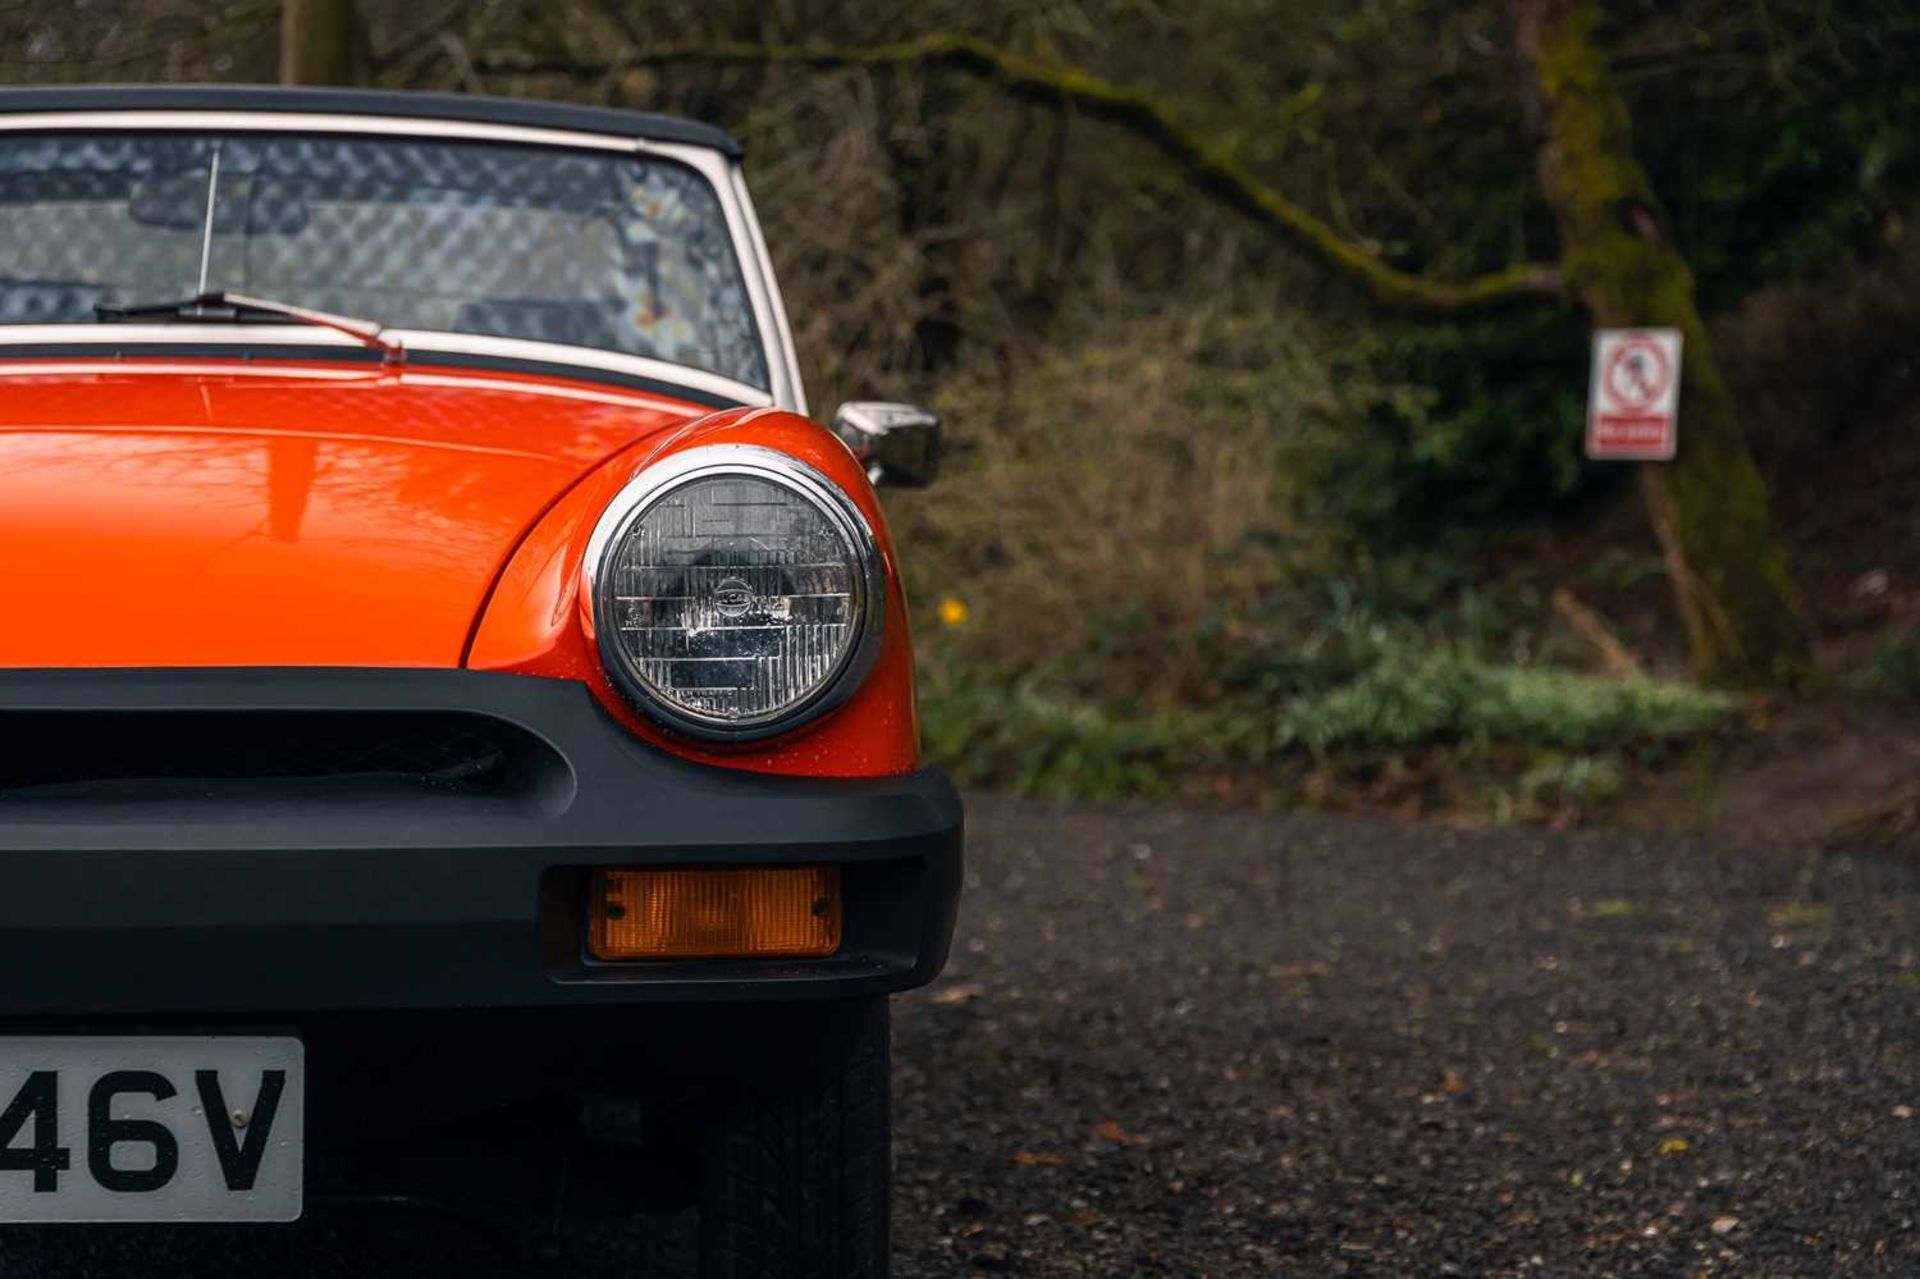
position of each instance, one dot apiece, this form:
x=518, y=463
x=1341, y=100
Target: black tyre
x=795, y=1177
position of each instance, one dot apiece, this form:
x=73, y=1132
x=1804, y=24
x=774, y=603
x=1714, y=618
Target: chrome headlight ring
x=697, y=603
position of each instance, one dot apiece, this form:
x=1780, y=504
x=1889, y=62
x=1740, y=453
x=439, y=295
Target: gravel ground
x=1232, y=1044
x=1229, y=1044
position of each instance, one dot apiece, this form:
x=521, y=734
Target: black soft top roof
x=475, y=108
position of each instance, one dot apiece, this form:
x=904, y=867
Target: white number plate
x=94, y=1128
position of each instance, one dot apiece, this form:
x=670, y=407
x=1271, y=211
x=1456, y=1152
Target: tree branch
x=1205, y=163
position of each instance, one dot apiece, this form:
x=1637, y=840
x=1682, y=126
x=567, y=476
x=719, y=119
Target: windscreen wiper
x=238, y=308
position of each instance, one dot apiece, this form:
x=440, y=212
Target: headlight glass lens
x=740, y=597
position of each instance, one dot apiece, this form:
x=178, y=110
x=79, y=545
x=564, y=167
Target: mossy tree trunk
x=322, y=42
x=1709, y=505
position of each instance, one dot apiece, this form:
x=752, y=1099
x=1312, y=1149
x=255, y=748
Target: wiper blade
x=238, y=308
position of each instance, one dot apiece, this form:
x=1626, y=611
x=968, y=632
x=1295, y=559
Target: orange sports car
x=444, y=674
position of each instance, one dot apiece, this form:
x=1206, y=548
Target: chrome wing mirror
x=899, y=444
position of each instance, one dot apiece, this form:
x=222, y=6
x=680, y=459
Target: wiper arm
x=238, y=308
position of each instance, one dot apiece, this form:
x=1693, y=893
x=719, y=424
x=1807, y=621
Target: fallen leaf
x=1903, y=1112
x=1675, y=1146
x=957, y=994
x=1109, y=1130
x=1793, y=915
x=1724, y=1225
x=1037, y=1159
x=1607, y=908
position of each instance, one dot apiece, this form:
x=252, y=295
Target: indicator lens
x=732, y=913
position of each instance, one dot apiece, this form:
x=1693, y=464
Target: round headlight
x=736, y=592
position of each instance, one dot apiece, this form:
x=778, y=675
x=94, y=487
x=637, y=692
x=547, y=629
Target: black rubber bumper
x=244, y=891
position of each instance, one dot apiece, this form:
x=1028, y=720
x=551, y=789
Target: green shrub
x=1106, y=500
x=1578, y=783
x=1443, y=426
x=1044, y=743
x=1811, y=361
x=1895, y=667
x=1403, y=706
x=1024, y=740
x=1360, y=613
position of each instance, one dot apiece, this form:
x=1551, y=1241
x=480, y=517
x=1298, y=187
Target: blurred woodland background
x=1261, y=331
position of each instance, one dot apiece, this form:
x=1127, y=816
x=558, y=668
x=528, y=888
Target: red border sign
x=1634, y=403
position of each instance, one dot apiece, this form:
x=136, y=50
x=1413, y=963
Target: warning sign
x=1635, y=402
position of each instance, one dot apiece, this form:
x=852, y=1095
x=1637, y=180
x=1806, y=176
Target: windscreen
x=605, y=250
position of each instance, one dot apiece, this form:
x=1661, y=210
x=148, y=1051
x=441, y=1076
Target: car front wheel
x=794, y=1177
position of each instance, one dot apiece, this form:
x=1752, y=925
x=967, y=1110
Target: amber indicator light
x=732, y=913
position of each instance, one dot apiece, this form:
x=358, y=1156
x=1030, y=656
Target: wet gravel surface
x=1233, y=1044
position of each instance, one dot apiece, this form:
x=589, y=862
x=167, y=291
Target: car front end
x=442, y=667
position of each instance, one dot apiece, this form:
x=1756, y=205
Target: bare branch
x=1207, y=164
x=420, y=43
x=456, y=50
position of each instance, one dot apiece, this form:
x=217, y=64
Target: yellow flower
x=954, y=612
